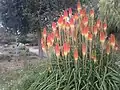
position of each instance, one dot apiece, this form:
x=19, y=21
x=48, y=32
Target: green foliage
x=12, y=16
x=72, y=79
x=110, y=10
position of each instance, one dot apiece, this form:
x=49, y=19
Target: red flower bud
x=52, y=37
x=85, y=20
x=67, y=26
x=72, y=23
x=84, y=50
x=49, y=41
x=102, y=37
x=104, y=26
x=76, y=16
x=85, y=32
x=70, y=11
x=83, y=12
x=92, y=13
x=90, y=37
x=57, y=50
x=76, y=55
x=112, y=40
x=60, y=21
x=65, y=14
x=78, y=6
x=95, y=30
x=66, y=48
x=98, y=23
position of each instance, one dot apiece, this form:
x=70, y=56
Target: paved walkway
x=35, y=50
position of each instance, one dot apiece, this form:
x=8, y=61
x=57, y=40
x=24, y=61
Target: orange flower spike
x=76, y=16
x=92, y=13
x=81, y=13
x=95, y=30
x=67, y=26
x=65, y=14
x=56, y=33
x=84, y=49
x=71, y=23
x=98, y=23
x=112, y=40
x=76, y=55
x=65, y=49
x=60, y=21
x=102, y=37
x=52, y=37
x=43, y=47
x=57, y=50
x=105, y=26
x=85, y=32
x=90, y=36
x=44, y=32
x=108, y=49
x=84, y=12
x=85, y=20
x=70, y=12
x=49, y=42
x=78, y=6
x=54, y=26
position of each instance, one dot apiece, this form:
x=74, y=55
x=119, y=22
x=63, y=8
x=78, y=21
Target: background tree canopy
x=26, y=16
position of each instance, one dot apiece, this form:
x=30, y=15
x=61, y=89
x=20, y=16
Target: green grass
x=13, y=79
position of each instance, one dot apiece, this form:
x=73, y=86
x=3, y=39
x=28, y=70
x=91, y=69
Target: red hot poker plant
x=77, y=32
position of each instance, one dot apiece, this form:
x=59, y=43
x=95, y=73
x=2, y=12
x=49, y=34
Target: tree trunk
x=39, y=43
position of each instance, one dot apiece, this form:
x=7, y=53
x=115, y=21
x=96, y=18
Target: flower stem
x=83, y=63
x=101, y=58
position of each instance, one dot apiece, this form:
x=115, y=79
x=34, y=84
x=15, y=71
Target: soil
x=10, y=61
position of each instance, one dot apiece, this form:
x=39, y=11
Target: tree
x=32, y=15
x=12, y=16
